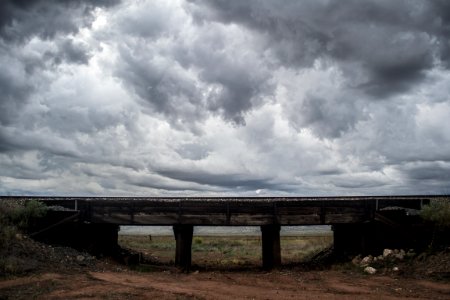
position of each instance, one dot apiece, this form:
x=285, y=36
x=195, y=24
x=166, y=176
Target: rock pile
x=22, y=255
x=388, y=260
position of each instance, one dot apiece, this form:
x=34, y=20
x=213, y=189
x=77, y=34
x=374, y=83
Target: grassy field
x=226, y=251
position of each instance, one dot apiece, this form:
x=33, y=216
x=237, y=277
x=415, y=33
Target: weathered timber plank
x=250, y=220
x=120, y=219
x=344, y=203
x=203, y=210
x=156, y=219
x=212, y=219
x=331, y=219
x=204, y=203
x=139, y=219
x=220, y=219
x=149, y=209
x=295, y=210
x=344, y=210
x=266, y=209
x=299, y=220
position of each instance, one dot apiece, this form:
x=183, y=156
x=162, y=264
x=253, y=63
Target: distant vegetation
x=16, y=216
x=438, y=213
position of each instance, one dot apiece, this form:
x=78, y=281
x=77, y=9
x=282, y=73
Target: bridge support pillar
x=183, y=237
x=271, y=251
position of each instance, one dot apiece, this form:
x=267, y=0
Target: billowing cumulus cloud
x=199, y=70
x=224, y=97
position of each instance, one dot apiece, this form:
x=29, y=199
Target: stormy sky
x=210, y=98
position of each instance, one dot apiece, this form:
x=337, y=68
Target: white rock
x=366, y=260
x=395, y=269
x=370, y=270
x=356, y=260
x=399, y=256
x=387, y=252
x=411, y=253
x=80, y=258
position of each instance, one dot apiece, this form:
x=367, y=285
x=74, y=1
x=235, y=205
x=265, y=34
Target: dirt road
x=126, y=284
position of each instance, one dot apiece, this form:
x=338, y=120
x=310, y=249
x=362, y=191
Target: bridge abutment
x=271, y=251
x=183, y=252
x=352, y=239
x=372, y=237
x=98, y=239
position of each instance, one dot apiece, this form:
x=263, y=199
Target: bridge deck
x=233, y=211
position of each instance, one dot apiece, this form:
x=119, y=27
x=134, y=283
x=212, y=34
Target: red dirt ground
x=115, y=282
x=46, y=272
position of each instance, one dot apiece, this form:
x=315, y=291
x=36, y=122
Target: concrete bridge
x=360, y=224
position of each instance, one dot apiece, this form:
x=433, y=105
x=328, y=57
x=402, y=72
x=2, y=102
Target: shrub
x=21, y=216
x=15, y=215
x=198, y=240
x=438, y=212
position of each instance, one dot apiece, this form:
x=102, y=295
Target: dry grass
x=225, y=251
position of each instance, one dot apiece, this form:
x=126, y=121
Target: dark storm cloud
x=150, y=183
x=237, y=86
x=357, y=183
x=383, y=49
x=14, y=91
x=325, y=116
x=19, y=22
x=437, y=171
x=428, y=177
x=331, y=97
x=229, y=181
x=191, y=77
x=193, y=151
x=161, y=87
x=393, y=43
x=71, y=52
x=241, y=82
x=21, y=19
x=441, y=26
x=13, y=140
x=241, y=88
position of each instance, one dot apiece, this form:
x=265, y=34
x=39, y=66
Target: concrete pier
x=183, y=252
x=271, y=251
